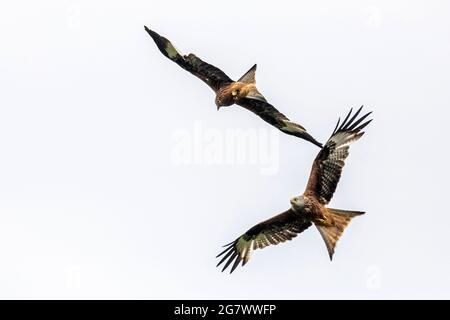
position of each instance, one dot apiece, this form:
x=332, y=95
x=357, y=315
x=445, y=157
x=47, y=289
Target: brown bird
x=228, y=92
x=310, y=208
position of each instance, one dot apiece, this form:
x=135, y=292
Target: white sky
x=93, y=203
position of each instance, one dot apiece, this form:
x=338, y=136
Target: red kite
x=309, y=208
x=228, y=92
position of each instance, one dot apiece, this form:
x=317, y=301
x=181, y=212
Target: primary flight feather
x=309, y=208
x=228, y=92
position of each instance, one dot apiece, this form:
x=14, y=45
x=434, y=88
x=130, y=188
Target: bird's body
x=242, y=92
x=236, y=92
x=309, y=208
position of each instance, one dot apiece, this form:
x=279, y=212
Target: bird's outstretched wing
x=327, y=167
x=280, y=228
x=212, y=76
x=270, y=114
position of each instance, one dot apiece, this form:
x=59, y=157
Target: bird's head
x=298, y=203
x=218, y=102
x=224, y=101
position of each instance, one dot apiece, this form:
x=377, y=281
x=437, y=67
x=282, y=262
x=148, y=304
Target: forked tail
x=249, y=76
x=331, y=234
x=249, y=79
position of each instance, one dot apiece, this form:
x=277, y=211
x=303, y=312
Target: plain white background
x=92, y=206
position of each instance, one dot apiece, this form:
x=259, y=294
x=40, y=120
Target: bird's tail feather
x=331, y=234
x=249, y=76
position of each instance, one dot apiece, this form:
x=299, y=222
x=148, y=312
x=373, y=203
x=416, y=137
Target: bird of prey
x=228, y=92
x=309, y=208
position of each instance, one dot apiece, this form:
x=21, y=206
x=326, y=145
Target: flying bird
x=228, y=92
x=309, y=208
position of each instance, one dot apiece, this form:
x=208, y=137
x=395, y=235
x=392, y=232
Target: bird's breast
x=313, y=207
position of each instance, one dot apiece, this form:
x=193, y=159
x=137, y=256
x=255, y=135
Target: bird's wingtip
x=152, y=33
x=148, y=29
x=314, y=141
